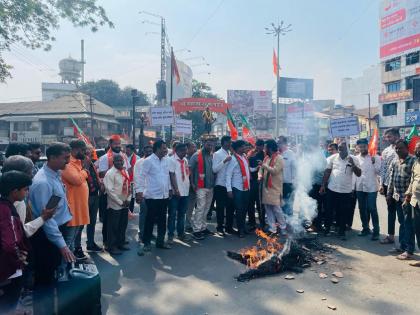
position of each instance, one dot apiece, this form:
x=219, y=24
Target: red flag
x=275, y=65
x=412, y=144
x=175, y=71
x=373, y=143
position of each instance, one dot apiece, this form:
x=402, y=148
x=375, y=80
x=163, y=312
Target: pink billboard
x=399, y=26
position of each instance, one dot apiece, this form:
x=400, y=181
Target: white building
x=400, y=64
x=52, y=91
x=355, y=91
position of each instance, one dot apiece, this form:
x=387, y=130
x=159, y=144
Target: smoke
x=309, y=165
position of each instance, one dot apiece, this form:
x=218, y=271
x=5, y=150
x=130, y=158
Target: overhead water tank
x=70, y=70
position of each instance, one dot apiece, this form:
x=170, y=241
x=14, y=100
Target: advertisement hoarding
x=161, y=116
x=296, y=88
x=344, y=127
x=396, y=96
x=399, y=26
x=200, y=104
x=250, y=101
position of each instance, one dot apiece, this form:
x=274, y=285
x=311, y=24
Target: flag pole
x=171, y=89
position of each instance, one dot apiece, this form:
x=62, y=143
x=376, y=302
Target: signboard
x=26, y=136
x=412, y=118
x=296, y=88
x=183, y=126
x=300, y=110
x=200, y=104
x=396, y=96
x=250, y=101
x=162, y=116
x=343, y=127
x=68, y=132
x=399, y=26
x=149, y=133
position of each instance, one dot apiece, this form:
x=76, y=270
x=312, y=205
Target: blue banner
x=412, y=118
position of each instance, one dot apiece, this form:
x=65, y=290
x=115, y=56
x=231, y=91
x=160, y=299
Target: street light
x=277, y=30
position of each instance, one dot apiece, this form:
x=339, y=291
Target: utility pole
x=370, y=130
x=92, y=132
x=277, y=30
x=134, y=97
x=172, y=88
x=82, y=61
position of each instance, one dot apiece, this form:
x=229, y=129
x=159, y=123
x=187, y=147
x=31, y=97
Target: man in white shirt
x=238, y=184
x=147, y=151
x=339, y=178
x=289, y=174
x=180, y=182
x=221, y=159
x=367, y=189
x=105, y=163
x=117, y=187
x=155, y=188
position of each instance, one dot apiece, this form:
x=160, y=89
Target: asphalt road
x=198, y=278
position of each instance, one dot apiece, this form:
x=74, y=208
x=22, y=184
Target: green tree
x=30, y=22
x=110, y=93
x=199, y=90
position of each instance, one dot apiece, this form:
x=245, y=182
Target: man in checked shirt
x=391, y=136
x=400, y=176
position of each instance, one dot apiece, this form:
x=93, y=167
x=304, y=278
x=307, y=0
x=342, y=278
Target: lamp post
x=277, y=30
x=134, y=97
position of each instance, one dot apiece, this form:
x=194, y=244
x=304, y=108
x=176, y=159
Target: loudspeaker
x=416, y=90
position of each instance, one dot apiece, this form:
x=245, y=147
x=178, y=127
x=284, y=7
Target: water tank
x=70, y=70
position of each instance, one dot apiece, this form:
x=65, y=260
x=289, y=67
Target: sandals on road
x=387, y=240
x=405, y=256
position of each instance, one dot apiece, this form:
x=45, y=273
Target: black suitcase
x=80, y=295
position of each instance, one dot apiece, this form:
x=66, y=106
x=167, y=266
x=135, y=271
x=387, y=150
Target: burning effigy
x=274, y=254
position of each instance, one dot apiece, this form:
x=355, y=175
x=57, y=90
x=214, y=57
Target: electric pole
x=134, y=96
x=92, y=132
x=277, y=30
x=82, y=61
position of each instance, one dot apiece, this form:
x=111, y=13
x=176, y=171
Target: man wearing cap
x=367, y=189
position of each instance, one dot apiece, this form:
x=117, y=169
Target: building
x=51, y=121
x=51, y=91
x=400, y=64
x=356, y=91
x=363, y=115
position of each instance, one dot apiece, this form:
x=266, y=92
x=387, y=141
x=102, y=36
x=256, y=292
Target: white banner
x=343, y=127
x=183, y=126
x=162, y=116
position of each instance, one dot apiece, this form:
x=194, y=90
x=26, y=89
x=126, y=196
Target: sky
x=330, y=40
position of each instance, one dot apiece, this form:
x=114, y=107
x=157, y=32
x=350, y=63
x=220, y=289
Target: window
x=393, y=64
x=412, y=58
x=409, y=82
x=390, y=109
x=393, y=86
x=26, y=126
x=411, y=105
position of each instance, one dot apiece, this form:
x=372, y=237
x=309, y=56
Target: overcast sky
x=331, y=39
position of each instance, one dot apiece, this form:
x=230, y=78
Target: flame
x=265, y=248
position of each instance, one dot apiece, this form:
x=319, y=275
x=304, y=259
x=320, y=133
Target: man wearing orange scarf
x=238, y=184
x=202, y=182
x=271, y=176
x=75, y=179
x=117, y=186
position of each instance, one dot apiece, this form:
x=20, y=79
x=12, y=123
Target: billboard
x=184, y=88
x=250, y=101
x=296, y=88
x=399, y=26
x=200, y=104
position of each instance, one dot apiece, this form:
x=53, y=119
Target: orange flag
x=275, y=65
x=175, y=71
x=373, y=143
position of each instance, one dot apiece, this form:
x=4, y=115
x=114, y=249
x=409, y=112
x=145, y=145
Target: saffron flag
x=175, y=71
x=231, y=125
x=373, y=143
x=246, y=131
x=412, y=139
x=275, y=65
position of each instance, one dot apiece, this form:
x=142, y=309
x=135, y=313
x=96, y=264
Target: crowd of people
x=43, y=210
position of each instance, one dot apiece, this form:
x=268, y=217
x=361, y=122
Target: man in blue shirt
x=52, y=243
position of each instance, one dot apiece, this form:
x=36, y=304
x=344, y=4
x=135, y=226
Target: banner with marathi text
x=200, y=104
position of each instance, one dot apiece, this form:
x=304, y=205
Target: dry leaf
x=289, y=277
x=323, y=275
x=300, y=291
x=338, y=274
x=335, y=280
x=332, y=307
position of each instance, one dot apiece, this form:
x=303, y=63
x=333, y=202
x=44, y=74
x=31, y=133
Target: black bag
x=81, y=293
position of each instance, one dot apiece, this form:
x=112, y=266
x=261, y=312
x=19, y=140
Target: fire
x=265, y=248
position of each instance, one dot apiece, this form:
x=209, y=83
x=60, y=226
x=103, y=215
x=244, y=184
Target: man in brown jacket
x=271, y=175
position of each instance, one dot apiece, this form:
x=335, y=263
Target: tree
x=30, y=22
x=199, y=90
x=110, y=93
